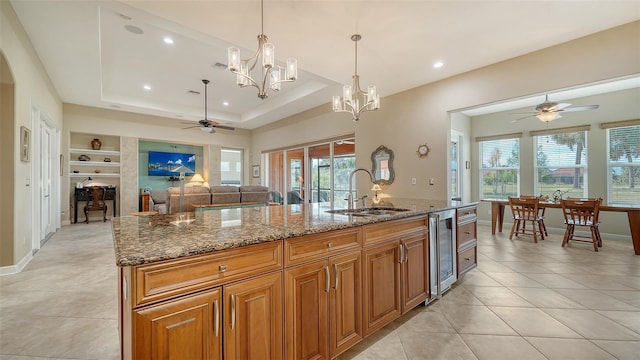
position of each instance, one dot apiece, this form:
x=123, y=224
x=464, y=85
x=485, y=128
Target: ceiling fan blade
x=191, y=127
x=222, y=127
x=562, y=106
x=581, y=108
x=522, y=118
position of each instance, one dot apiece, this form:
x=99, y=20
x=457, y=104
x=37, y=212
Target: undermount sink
x=377, y=211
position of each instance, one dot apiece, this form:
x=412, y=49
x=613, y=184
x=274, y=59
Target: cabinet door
x=306, y=303
x=253, y=319
x=381, y=287
x=345, y=302
x=187, y=328
x=415, y=271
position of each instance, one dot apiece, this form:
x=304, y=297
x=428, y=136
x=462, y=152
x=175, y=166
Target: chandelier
x=271, y=73
x=353, y=99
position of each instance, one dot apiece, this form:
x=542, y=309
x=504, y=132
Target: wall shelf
x=93, y=163
x=94, y=152
x=93, y=175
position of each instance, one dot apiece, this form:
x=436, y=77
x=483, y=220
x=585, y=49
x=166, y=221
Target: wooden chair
x=522, y=211
x=582, y=212
x=96, y=203
x=541, y=210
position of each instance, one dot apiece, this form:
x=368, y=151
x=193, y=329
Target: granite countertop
x=147, y=239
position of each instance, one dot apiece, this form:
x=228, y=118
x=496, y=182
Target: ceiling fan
x=205, y=124
x=549, y=110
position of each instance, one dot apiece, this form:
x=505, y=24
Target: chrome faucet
x=350, y=194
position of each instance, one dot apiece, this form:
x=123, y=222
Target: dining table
x=633, y=214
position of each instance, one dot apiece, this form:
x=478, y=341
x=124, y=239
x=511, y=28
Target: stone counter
x=142, y=240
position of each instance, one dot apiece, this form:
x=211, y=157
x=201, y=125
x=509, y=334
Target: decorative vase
x=96, y=144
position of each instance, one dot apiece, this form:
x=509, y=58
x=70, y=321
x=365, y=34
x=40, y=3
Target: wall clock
x=423, y=150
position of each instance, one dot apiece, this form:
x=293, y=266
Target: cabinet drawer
x=466, y=211
x=384, y=231
x=466, y=232
x=171, y=278
x=466, y=260
x=317, y=246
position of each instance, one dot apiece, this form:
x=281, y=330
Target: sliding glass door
x=314, y=173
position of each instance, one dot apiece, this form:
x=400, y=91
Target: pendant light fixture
x=264, y=59
x=354, y=100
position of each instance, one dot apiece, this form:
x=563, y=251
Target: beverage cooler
x=442, y=255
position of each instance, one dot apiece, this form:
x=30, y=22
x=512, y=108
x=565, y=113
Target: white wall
x=32, y=89
x=420, y=115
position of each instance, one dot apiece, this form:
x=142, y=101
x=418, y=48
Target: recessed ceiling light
x=438, y=64
x=167, y=40
x=225, y=103
x=146, y=87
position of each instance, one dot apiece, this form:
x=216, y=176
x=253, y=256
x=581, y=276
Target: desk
x=633, y=213
x=84, y=194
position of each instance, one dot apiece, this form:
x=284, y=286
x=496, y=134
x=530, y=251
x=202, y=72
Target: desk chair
x=524, y=210
x=96, y=203
x=582, y=212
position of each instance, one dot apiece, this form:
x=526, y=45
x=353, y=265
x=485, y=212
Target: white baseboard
x=14, y=269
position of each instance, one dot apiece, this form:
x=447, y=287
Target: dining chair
x=582, y=212
x=96, y=203
x=541, y=210
x=525, y=210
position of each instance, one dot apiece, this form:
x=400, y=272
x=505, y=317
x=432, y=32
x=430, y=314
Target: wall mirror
x=382, y=165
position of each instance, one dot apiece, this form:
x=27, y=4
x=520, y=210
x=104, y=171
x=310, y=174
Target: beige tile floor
x=524, y=301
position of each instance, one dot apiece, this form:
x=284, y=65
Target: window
x=500, y=170
x=231, y=167
x=623, y=173
x=561, y=164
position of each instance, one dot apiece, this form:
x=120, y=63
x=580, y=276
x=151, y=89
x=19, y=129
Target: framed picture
x=25, y=144
x=256, y=171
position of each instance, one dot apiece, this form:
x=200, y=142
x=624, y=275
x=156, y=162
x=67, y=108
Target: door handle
x=335, y=276
x=233, y=311
x=216, y=317
x=327, y=281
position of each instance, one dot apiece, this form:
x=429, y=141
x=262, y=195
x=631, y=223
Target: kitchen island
x=275, y=282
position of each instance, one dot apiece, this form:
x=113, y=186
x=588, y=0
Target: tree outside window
x=500, y=171
x=624, y=165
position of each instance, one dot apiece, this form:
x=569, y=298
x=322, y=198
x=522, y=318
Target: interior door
x=46, y=203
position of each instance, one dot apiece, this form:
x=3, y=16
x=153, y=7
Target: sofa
x=254, y=193
x=216, y=195
x=192, y=195
x=224, y=194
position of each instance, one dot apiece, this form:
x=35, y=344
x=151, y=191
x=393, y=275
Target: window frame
x=611, y=164
x=482, y=170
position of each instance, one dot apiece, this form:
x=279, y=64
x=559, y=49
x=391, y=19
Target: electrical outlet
x=413, y=181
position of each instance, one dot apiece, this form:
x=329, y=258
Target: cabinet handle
x=467, y=233
x=327, y=281
x=329, y=244
x=335, y=276
x=216, y=317
x=222, y=268
x=406, y=253
x=467, y=259
x=401, y=256
x=233, y=311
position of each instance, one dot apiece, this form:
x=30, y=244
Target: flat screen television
x=166, y=163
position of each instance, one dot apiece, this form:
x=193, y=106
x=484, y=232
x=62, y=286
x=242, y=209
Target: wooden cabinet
x=414, y=270
x=466, y=239
x=323, y=299
x=253, y=325
x=396, y=270
x=187, y=328
x=201, y=307
x=381, y=286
